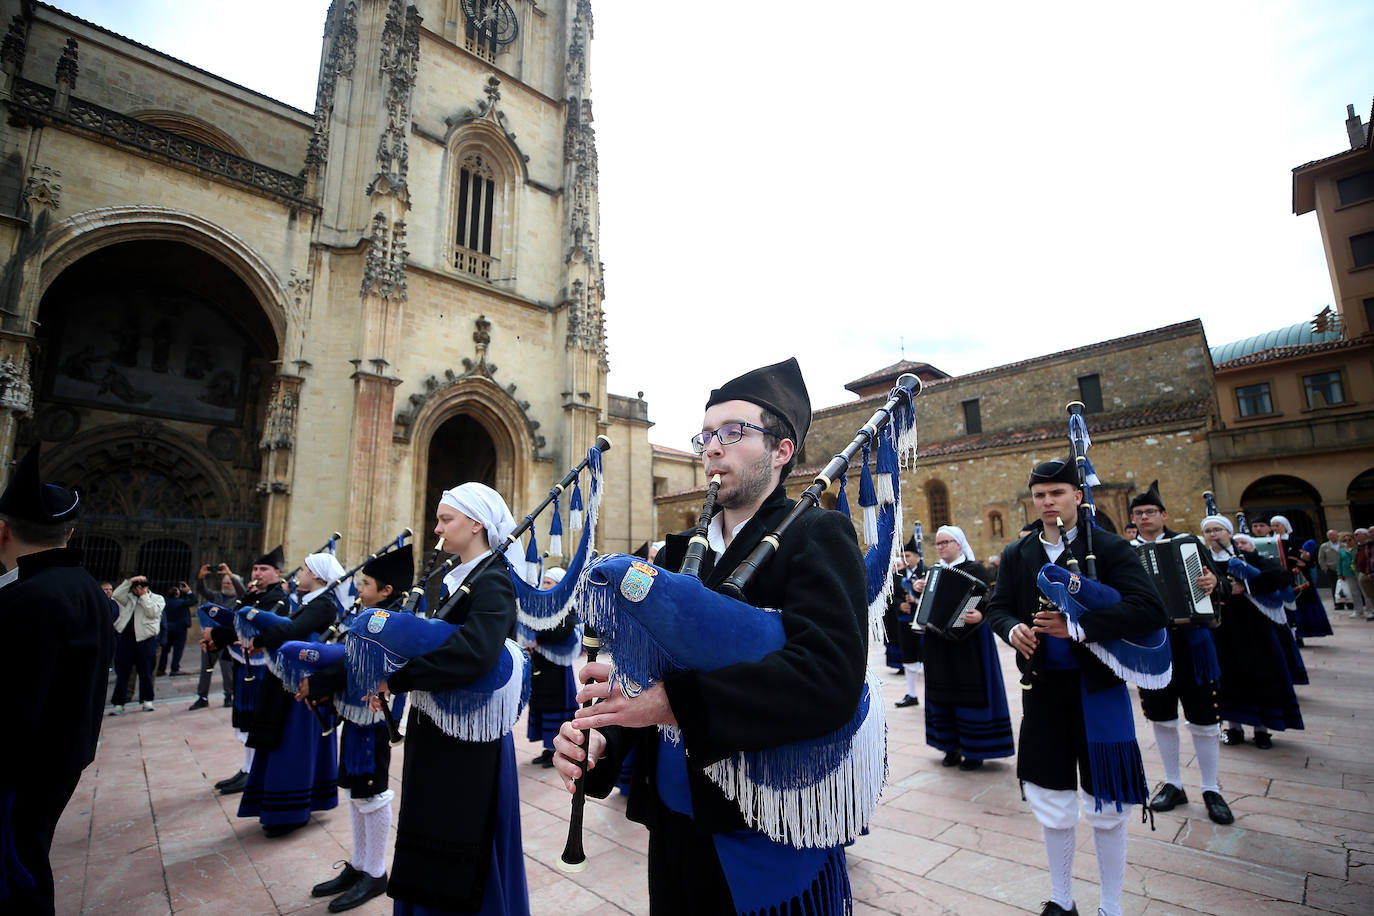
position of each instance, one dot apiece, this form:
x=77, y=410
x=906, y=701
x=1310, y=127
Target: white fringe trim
x=1148, y=681
x=495, y=717
x=834, y=810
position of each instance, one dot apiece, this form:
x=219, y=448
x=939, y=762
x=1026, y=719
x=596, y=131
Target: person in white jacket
x=140, y=615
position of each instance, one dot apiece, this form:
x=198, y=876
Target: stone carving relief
x=16, y=392
x=341, y=39
x=384, y=269
x=15, y=45
x=280, y=429
x=67, y=68
x=42, y=189
x=400, y=56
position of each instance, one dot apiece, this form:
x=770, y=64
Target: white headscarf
x=957, y=533
x=1223, y=521
x=327, y=568
x=481, y=503
x=556, y=573
x=1283, y=520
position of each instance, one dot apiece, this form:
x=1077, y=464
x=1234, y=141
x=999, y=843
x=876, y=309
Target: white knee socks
x=248, y=754
x=1110, y=844
x=1059, y=847
x=1207, y=746
x=911, y=687
x=1167, y=738
x=371, y=825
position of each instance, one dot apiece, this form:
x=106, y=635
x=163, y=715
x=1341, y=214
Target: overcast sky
x=969, y=184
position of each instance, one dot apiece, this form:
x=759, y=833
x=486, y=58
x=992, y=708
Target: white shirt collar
x=460, y=573
x=311, y=596
x=715, y=533
x=10, y=577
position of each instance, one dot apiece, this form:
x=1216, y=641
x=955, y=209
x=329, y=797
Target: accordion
x=1174, y=566
x=949, y=592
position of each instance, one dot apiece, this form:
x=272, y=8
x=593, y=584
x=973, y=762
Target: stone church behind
x=232, y=323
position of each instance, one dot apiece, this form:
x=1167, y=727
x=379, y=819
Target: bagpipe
x=1270, y=604
x=816, y=793
x=484, y=710
x=336, y=629
x=1073, y=592
x=289, y=580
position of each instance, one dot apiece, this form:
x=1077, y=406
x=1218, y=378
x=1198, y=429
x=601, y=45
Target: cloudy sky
x=964, y=184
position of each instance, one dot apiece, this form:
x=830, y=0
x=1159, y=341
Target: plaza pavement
x=145, y=832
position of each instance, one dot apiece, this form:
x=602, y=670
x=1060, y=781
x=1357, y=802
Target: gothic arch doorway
x=460, y=450
x=1292, y=497
x=151, y=374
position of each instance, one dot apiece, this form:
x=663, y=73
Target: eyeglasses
x=1144, y=513
x=945, y=543
x=728, y=434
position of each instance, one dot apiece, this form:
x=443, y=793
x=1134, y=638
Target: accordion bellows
x=484, y=710
x=816, y=793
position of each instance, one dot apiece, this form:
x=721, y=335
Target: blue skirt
x=505, y=893
x=1292, y=656
x=300, y=776
x=977, y=732
x=1310, y=617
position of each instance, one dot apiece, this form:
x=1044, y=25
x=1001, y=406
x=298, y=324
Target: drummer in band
x=1074, y=704
x=1194, y=682
x=702, y=857
x=966, y=700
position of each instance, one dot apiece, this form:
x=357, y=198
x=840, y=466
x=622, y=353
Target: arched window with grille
x=476, y=207
x=937, y=503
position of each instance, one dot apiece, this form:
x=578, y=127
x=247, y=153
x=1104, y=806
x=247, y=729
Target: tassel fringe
x=540, y=609
x=474, y=714
x=813, y=794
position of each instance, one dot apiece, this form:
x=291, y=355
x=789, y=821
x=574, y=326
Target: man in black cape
x=58, y=657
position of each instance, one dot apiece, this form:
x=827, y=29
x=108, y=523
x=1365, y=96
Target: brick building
x=233, y=323
x=1149, y=409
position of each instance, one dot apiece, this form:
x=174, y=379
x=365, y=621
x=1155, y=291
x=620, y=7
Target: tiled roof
x=1100, y=423
x=889, y=373
x=674, y=452
x=1288, y=352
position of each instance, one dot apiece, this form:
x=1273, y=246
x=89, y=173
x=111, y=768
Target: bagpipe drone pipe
x=381, y=642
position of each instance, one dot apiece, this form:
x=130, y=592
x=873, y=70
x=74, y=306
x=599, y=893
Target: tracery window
x=476, y=207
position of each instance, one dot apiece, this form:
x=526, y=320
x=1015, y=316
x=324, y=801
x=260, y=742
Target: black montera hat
x=276, y=557
x=395, y=568
x=1056, y=471
x=642, y=551
x=778, y=388
x=911, y=546
x=1149, y=498
x=29, y=499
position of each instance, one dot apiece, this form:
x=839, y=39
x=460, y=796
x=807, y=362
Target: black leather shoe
x=952, y=759
x=200, y=703
x=1233, y=737
x=235, y=785
x=545, y=759
x=366, y=888
x=1263, y=741
x=340, y=882
x=908, y=700
x=1054, y=909
x=1168, y=798
x=228, y=702
x=232, y=779
x=275, y=830
x=1217, y=809
x=968, y=766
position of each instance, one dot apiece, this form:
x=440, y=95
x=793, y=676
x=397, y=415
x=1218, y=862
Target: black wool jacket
x=1016, y=599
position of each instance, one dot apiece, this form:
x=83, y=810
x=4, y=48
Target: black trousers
x=37, y=808
x=208, y=660
x=131, y=654
x=176, y=645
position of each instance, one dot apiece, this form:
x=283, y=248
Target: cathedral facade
x=232, y=323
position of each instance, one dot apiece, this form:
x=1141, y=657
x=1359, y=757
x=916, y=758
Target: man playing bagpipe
x=458, y=842
x=1195, y=681
x=266, y=589
x=1077, y=728
x=703, y=856
x=553, y=689
x=364, y=749
x=57, y=653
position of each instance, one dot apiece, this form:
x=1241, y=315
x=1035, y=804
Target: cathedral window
x=476, y=215
x=937, y=503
